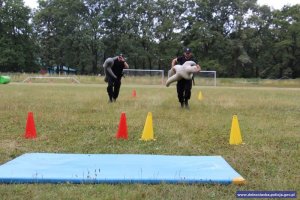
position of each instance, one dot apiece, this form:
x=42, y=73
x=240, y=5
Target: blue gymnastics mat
x=117, y=168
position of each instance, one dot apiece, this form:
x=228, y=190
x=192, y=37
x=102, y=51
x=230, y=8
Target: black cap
x=187, y=50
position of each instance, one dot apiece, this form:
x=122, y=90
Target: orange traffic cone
x=30, y=131
x=133, y=93
x=122, y=131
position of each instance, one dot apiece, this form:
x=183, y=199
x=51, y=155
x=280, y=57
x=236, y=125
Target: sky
x=276, y=4
x=31, y=3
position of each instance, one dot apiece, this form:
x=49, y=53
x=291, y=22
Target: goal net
x=51, y=79
x=205, y=78
x=143, y=76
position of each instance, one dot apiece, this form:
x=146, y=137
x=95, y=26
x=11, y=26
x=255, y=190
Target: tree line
x=237, y=38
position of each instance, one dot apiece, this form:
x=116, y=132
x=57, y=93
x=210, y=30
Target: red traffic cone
x=133, y=93
x=122, y=131
x=30, y=131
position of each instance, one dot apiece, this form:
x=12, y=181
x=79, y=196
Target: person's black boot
x=182, y=104
x=186, y=103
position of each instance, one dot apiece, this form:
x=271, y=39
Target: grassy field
x=77, y=118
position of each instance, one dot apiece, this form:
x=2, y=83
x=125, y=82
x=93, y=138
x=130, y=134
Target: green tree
x=16, y=39
x=236, y=38
x=215, y=30
x=93, y=30
x=58, y=25
x=259, y=41
x=286, y=41
x=169, y=22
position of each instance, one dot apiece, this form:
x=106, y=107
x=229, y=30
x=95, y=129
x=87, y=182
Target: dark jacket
x=182, y=59
x=118, y=68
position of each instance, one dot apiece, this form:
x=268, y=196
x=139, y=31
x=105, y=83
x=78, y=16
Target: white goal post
x=206, y=78
x=157, y=77
x=51, y=77
x=144, y=76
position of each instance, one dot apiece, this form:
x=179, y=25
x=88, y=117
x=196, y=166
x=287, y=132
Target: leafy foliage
x=17, y=48
x=236, y=38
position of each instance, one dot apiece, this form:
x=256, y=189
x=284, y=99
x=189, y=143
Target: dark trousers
x=184, y=88
x=113, y=88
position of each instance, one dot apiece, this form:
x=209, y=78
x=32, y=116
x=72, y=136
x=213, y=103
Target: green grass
x=77, y=118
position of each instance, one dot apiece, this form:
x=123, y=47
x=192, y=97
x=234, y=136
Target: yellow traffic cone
x=235, y=133
x=200, y=97
x=148, y=129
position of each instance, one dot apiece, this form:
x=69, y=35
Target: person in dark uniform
x=184, y=86
x=113, y=68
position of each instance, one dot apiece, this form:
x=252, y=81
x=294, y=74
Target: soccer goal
x=143, y=76
x=205, y=78
x=44, y=79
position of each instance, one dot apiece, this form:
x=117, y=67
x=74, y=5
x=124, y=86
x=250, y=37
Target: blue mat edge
x=117, y=181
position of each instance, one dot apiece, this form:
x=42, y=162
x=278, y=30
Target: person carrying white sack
x=184, y=83
x=113, y=68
